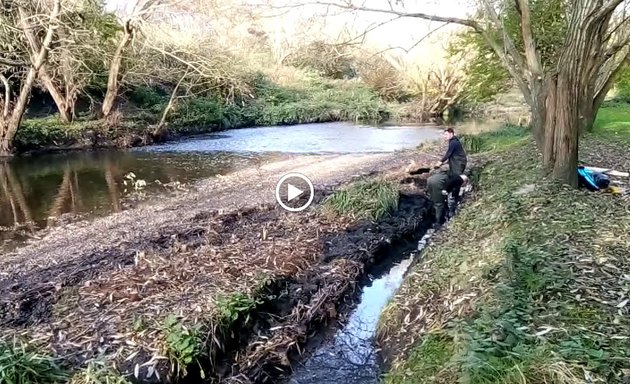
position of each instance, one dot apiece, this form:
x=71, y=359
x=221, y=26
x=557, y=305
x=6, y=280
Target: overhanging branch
x=349, y=6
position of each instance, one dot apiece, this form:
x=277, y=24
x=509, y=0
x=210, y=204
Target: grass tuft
x=367, y=199
x=21, y=364
x=494, y=140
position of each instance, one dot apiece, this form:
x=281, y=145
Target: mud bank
x=243, y=290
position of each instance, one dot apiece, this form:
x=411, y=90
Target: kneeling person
x=439, y=186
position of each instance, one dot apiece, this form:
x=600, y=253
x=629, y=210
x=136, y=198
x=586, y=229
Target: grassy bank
x=527, y=283
x=613, y=121
x=312, y=100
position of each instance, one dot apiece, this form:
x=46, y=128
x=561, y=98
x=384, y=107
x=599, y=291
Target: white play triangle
x=293, y=192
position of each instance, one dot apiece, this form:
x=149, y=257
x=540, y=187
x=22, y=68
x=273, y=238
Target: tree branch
x=407, y=50
x=531, y=53
x=12, y=63
x=7, y=96
x=349, y=6
x=623, y=22
x=607, y=8
x=600, y=94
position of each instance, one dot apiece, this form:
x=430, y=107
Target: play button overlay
x=294, y=192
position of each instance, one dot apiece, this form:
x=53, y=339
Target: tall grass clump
x=21, y=364
x=489, y=141
x=366, y=199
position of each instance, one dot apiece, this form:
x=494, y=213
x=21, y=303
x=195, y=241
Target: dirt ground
x=81, y=290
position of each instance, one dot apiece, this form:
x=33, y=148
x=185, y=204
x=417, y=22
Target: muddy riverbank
x=192, y=269
x=47, y=190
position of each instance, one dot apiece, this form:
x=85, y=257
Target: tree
x=13, y=110
x=141, y=10
x=80, y=37
x=564, y=80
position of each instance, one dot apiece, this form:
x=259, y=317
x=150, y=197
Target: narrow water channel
x=35, y=191
x=350, y=356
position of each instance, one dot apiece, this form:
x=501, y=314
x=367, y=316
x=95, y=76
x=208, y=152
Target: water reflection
x=42, y=190
x=39, y=191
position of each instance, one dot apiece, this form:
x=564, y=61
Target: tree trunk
x=63, y=104
x=5, y=140
x=60, y=99
x=560, y=129
x=157, y=132
x=114, y=71
x=10, y=123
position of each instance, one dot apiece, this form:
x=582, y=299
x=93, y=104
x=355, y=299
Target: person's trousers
x=435, y=185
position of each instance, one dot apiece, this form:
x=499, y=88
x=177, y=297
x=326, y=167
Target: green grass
x=20, y=364
x=493, y=140
x=526, y=283
x=366, y=199
x=429, y=360
x=613, y=122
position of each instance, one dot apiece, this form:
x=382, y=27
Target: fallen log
x=608, y=171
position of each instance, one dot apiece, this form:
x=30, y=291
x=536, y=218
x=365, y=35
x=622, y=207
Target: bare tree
x=13, y=110
x=78, y=42
x=139, y=12
x=564, y=94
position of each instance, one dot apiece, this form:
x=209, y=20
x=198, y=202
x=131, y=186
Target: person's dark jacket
x=456, y=156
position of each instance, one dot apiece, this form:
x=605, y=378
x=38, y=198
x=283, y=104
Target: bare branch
x=451, y=20
x=7, y=96
x=407, y=50
x=531, y=53
x=368, y=30
x=12, y=63
x=607, y=8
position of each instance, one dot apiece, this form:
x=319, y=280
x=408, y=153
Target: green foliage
x=37, y=133
x=613, y=123
x=20, y=364
x=622, y=85
x=184, y=343
x=498, y=139
x=485, y=75
x=98, y=372
x=366, y=199
x=236, y=307
x=549, y=26
x=426, y=361
x=147, y=97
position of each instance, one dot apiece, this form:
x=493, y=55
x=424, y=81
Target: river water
x=37, y=191
x=351, y=356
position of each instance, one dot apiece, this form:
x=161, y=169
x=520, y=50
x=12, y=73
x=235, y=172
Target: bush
x=328, y=60
x=146, y=97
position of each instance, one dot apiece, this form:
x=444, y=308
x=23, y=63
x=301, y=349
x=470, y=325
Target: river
x=41, y=190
